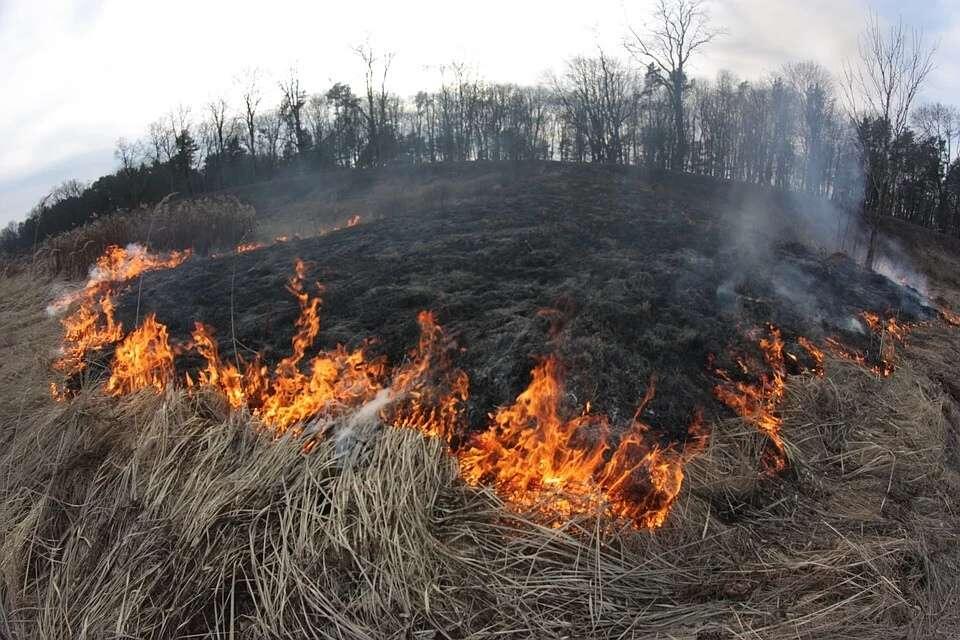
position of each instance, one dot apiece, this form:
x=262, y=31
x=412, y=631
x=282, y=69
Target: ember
x=950, y=317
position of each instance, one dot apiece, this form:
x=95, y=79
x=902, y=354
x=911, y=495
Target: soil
x=645, y=275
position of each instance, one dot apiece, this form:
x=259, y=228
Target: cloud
x=21, y=194
x=84, y=73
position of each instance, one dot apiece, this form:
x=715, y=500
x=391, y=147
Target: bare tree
x=375, y=112
x=813, y=88
x=597, y=94
x=291, y=108
x=162, y=141
x=269, y=127
x=939, y=121
x=881, y=83
x=680, y=28
x=221, y=125
x=130, y=154
x=251, y=101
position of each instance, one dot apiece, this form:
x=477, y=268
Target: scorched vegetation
x=552, y=401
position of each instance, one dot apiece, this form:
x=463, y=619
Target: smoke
x=356, y=428
x=786, y=246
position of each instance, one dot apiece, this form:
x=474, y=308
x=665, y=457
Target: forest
x=858, y=137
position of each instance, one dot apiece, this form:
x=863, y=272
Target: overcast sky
x=76, y=76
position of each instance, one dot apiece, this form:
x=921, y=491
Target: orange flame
x=815, y=353
x=337, y=379
x=757, y=402
x=431, y=394
x=144, y=359
x=538, y=459
x=249, y=246
x=889, y=332
x=949, y=317
x=235, y=386
x=91, y=326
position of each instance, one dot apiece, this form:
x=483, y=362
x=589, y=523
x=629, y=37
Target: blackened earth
x=646, y=274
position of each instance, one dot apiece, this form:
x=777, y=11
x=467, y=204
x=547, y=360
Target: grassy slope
x=163, y=517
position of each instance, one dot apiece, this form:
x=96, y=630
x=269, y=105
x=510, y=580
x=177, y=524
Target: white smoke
x=350, y=432
x=65, y=295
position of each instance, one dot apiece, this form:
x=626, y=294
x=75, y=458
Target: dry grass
x=165, y=517
x=202, y=224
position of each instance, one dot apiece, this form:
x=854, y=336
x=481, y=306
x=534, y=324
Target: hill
x=687, y=415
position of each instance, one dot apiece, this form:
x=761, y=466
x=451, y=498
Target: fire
x=949, y=317
x=889, y=332
x=89, y=328
x=353, y=221
x=815, y=353
x=757, y=402
x=336, y=380
x=119, y=265
x=249, y=246
x=236, y=387
x=537, y=458
x=91, y=325
x=430, y=393
x=890, y=326
x=144, y=359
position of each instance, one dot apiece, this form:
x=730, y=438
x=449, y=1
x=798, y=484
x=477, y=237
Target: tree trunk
x=872, y=245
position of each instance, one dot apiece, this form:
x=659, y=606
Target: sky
x=75, y=76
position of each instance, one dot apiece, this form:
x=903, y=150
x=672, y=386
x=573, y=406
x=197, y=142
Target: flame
x=249, y=246
x=815, y=353
x=89, y=328
x=337, y=380
x=431, y=394
x=949, y=317
x=890, y=326
x=353, y=221
x=888, y=331
x=757, y=402
x=236, y=387
x=538, y=459
x=642, y=480
x=91, y=325
x=144, y=359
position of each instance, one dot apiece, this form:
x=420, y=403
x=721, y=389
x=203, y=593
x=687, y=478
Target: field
x=794, y=418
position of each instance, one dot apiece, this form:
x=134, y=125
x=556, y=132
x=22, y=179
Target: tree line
x=857, y=139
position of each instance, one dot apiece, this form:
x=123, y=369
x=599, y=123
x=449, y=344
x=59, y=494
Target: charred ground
x=643, y=275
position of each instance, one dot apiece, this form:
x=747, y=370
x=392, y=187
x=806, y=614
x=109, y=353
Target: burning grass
x=290, y=491
x=168, y=516
x=562, y=467
x=537, y=454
